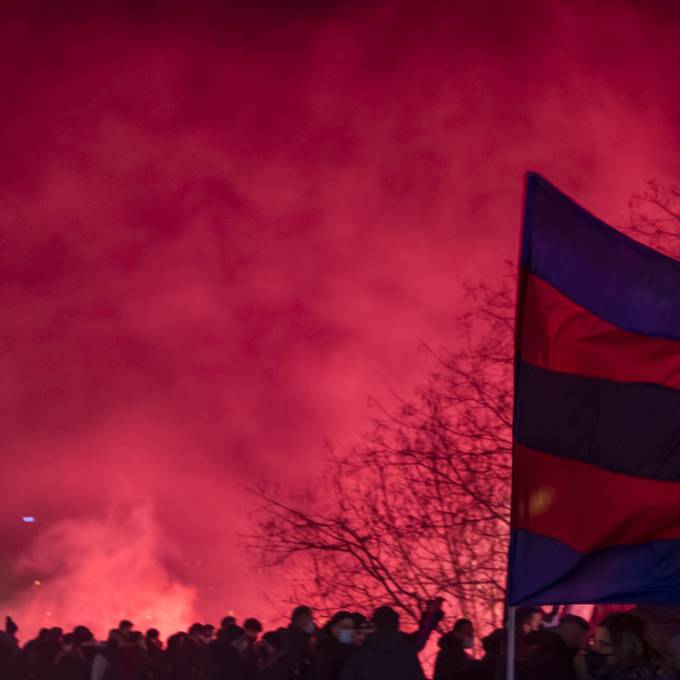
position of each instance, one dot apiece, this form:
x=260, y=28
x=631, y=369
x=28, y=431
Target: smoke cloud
x=97, y=570
x=223, y=227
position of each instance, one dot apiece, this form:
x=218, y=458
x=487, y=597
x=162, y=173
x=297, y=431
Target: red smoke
x=224, y=227
x=97, y=571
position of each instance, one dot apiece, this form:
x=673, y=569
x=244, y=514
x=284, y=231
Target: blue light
x=28, y=519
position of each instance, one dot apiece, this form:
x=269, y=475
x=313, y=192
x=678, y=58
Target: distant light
x=28, y=519
x=36, y=583
x=149, y=617
x=48, y=613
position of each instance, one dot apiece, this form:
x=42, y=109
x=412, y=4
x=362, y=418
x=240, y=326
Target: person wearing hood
x=453, y=661
x=557, y=649
x=385, y=655
x=334, y=647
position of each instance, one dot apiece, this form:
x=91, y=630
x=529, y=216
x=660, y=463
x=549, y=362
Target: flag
x=596, y=428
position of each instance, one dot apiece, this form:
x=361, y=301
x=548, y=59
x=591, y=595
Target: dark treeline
x=349, y=646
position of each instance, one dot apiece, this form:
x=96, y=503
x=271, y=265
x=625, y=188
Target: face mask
x=468, y=643
x=309, y=627
x=346, y=636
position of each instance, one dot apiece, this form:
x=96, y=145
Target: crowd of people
x=349, y=646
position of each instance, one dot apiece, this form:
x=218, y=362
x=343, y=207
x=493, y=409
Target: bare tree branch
x=421, y=507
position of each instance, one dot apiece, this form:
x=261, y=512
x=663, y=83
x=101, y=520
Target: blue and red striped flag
x=596, y=456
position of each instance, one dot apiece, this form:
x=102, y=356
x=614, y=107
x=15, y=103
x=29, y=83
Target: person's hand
x=435, y=605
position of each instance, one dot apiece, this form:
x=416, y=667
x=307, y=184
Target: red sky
x=223, y=228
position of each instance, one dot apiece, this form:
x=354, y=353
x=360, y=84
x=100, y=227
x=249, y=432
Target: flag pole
x=510, y=670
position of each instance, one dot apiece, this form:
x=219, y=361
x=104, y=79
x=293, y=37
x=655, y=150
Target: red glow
x=223, y=228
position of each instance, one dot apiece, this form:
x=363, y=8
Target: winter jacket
x=453, y=663
x=70, y=666
x=330, y=657
x=494, y=665
x=135, y=663
x=297, y=646
x=552, y=660
x=222, y=662
x=188, y=659
x=384, y=656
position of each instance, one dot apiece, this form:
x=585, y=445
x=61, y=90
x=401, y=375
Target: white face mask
x=309, y=627
x=346, y=636
x=468, y=643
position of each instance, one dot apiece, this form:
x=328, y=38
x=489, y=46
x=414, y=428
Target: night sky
x=223, y=227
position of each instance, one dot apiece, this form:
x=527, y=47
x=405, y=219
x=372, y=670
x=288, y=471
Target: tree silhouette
x=655, y=218
x=421, y=507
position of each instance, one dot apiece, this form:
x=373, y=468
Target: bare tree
x=655, y=218
x=421, y=507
